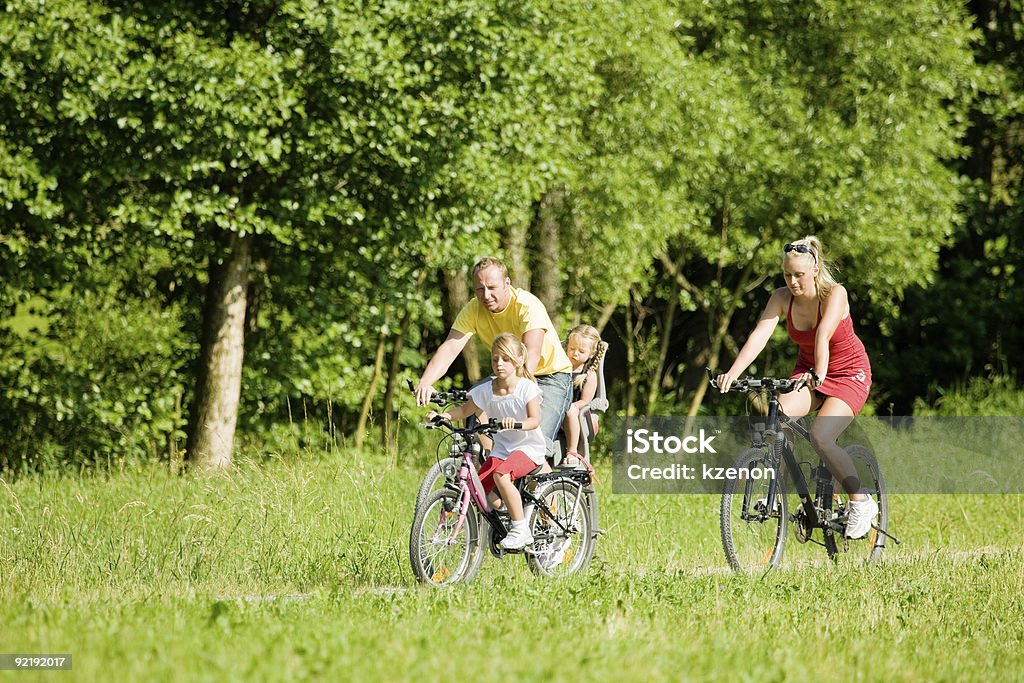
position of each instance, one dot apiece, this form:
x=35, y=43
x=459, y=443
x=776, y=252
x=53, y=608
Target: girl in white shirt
x=511, y=396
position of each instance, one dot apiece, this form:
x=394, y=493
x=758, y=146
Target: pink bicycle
x=446, y=544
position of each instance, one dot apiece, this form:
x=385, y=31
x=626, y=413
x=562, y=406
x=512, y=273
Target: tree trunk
x=631, y=374
x=657, y=377
x=457, y=283
x=606, y=314
x=721, y=331
x=394, y=368
x=219, y=381
x=378, y=372
x=515, y=254
x=390, y=434
x=547, y=274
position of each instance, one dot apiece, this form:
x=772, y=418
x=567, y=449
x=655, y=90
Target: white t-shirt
x=511, y=405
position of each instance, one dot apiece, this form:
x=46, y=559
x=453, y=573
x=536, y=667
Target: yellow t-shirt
x=524, y=312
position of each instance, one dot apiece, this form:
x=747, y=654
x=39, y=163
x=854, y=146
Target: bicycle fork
x=463, y=510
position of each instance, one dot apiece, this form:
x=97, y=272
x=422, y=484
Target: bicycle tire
x=752, y=541
x=437, y=557
x=556, y=552
x=872, y=483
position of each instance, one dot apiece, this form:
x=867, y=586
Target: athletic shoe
x=518, y=538
x=861, y=513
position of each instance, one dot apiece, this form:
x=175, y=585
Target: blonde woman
x=832, y=366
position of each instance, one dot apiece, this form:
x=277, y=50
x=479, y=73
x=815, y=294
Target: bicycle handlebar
x=772, y=385
x=492, y=426
x=444, y=398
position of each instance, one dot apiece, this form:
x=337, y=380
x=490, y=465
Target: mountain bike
x=452, y=525
x=758, y=504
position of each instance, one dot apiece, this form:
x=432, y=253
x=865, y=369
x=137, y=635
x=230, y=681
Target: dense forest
x=228, y=218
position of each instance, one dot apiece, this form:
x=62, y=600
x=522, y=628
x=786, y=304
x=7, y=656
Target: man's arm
x=534, y=341
x=439, y=364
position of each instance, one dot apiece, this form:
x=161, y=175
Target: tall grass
x=296, y=569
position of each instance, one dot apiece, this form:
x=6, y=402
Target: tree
x=966, y=322
x=832, y=119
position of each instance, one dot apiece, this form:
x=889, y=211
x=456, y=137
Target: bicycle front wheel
x=753, y=537
x=441, y=550
x=563, y=532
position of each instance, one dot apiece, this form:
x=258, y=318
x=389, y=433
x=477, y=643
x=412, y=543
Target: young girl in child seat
x=511, y=396
x=582, y=348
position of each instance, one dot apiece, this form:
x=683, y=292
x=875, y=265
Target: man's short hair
x=490, y=262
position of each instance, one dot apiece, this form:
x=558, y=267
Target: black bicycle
x=758, y=506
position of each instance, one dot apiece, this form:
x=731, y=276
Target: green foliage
x=369, y=146
x=986, y=396
x=102, y=382
x=967, y=321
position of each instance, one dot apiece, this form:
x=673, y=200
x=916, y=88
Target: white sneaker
x=518, y=538
x=861, y=513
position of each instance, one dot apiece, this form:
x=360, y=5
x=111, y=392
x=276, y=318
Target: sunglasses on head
x=800, y=249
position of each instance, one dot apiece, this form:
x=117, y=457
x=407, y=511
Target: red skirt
x=850, y=386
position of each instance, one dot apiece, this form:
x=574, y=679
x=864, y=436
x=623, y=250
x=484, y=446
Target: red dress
x=849, y=370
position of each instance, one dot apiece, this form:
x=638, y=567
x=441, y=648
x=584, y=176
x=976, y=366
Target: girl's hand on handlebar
x=508, y=423
x=434, y=416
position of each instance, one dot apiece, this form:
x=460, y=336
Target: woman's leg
x=834, y=417
x=796, y=404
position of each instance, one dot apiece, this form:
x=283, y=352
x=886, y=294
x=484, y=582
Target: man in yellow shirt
x=499, y=307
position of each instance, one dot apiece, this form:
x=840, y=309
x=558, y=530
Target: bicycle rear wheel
x=872, y=546
x=563, y=534
x=753, y=537
x=442, y=552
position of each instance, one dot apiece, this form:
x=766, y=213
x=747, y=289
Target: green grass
x=297, y=570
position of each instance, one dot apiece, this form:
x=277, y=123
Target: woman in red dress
x=832, y=367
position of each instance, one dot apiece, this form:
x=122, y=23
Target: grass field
x=297, y=570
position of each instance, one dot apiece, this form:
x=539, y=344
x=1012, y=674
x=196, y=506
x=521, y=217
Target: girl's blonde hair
x=824, y=280
x=590, y=334
x=511, y=346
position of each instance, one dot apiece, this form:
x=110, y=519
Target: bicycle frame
x=473, y=494
x=775, y=423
